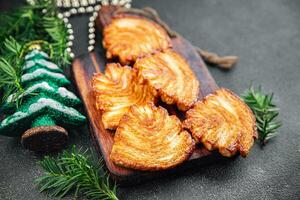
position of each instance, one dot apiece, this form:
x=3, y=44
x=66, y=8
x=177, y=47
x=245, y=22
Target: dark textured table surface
x=265, y=34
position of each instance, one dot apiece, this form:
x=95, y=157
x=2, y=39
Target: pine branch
x=13, y=47
x=29, y=23
x=58, y=39
x=21, y=23
x=10, y=69
x=75, y=172
x=265, y=112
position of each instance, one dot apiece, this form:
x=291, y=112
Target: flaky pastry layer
x=130, y=37
x=171, y=76
x=149, y=139
x=224, y=122
x=117, y=90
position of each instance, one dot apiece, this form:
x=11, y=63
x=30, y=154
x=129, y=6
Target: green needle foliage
x=265, y=112
x=10, y=68
x=37, y=22
x=26, y=24
x=75, y=171
x=57, y=32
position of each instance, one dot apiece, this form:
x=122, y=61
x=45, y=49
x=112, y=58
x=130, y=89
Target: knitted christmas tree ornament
x=46, y=105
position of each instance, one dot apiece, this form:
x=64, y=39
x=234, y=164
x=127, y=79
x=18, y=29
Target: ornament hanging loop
x=38, y=45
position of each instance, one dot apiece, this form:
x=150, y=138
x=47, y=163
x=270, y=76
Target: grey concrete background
x=266, y=36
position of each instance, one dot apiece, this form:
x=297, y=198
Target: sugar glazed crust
x=131, y=37
x=171, y=76
x=222, y=121
x=149, y=139
x=118, y=89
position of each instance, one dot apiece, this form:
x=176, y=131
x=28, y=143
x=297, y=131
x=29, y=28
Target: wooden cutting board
x=83, y=70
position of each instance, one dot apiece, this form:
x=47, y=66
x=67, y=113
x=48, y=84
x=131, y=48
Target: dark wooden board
x=83, y=70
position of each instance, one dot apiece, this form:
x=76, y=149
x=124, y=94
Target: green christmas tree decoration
x=38, y=59
x=46, y=106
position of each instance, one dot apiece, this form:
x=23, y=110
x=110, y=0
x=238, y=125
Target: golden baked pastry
x=169, y=74
x=130, y=37
x=222, y=121
x=149, y=139
x=116, y=91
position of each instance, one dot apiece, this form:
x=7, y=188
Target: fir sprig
x=59, y=38
x=23, y=23
x=265, y=112
x=31, y=22
x=26, y=24
x=13, y=49
x=75, y=171
x=10, y=69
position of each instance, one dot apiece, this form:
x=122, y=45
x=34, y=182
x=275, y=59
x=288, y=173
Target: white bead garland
x=74, y=7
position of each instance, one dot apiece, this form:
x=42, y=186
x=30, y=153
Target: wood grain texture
x=83, y=70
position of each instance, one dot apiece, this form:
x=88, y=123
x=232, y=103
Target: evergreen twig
x=265, y=112
x=31, y=22
x=59, y=38
x=26, y=24
x=75, y=171
x=10, y=69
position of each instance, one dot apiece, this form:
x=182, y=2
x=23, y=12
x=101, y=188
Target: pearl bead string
x=81, y=7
